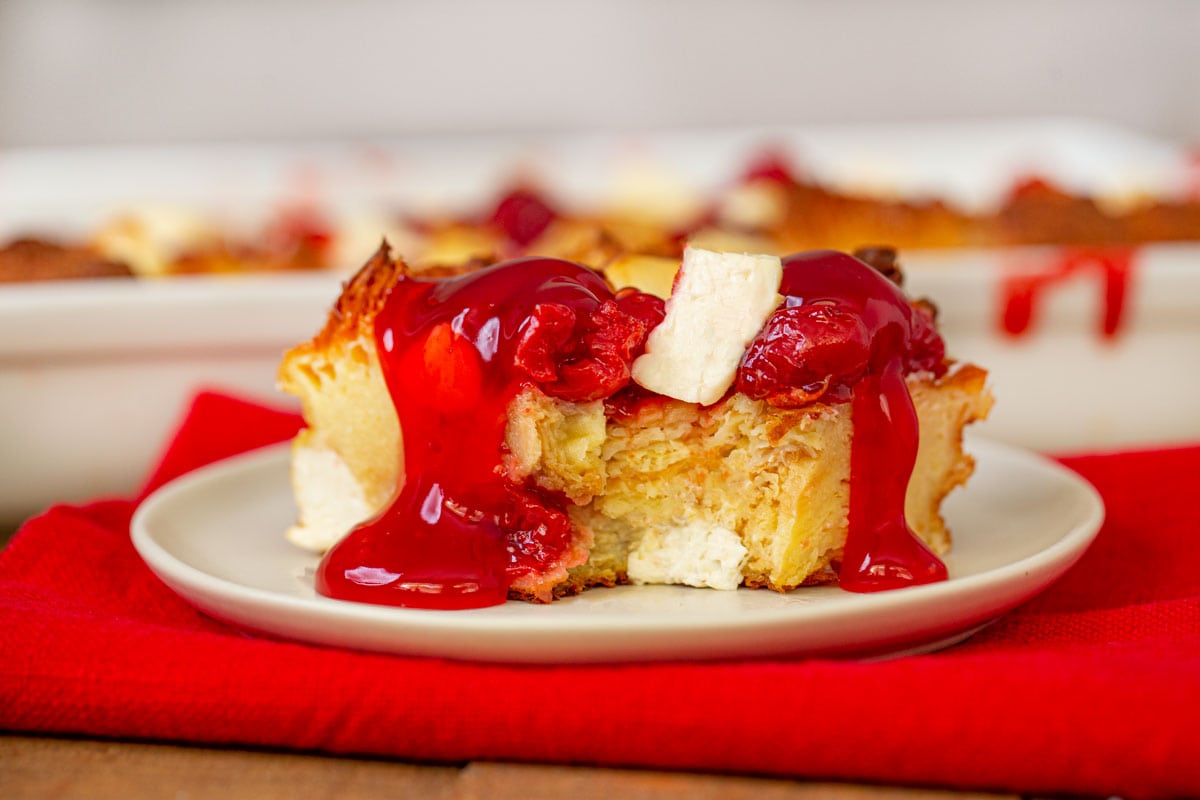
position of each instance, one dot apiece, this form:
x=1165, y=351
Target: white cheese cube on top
x=719, y=304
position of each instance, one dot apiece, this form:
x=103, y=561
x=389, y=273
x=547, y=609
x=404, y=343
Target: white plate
x=216, y=537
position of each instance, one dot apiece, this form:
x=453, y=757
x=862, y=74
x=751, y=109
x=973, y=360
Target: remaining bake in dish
x=529, y=429
x=27, y=260
x=771, y=208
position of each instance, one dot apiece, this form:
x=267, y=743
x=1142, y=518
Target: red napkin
x=1094, y=687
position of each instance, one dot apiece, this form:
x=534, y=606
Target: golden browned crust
x=337, y=376
x=361, y=299
x=353, y=315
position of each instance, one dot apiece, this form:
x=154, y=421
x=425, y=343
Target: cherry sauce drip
x=454, y=354
x=846, y=332
x=1022, y=292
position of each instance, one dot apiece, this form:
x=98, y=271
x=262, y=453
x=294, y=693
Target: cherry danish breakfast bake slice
x=527, y=430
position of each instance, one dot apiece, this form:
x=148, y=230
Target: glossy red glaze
x=846, y=332
x=839, y=318
x=454, y=354
x=1022, y=291
x=881, y=550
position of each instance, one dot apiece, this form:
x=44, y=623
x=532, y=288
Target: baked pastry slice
x=479, y=437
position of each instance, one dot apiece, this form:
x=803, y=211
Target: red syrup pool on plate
x=454, y=354
x=845, y=332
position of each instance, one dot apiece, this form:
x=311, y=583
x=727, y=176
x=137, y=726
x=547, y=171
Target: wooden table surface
x=59, y=768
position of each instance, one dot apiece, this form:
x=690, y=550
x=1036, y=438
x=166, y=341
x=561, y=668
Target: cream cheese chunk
x=718, y=305
x=148, y=239
x=329, y=498
x=693, y=554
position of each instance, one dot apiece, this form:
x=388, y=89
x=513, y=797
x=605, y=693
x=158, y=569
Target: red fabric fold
x=1093, y=687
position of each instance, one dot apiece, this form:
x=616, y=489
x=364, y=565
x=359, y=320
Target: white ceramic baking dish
x=94, y=374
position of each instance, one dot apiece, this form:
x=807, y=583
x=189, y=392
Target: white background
x=112, y=71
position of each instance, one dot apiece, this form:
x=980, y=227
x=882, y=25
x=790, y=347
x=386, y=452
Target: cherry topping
x=299, y=226
x=847, y=332
x=454, y=354
x=839, y=315
x=802, y=352
x=771, y=166
x=1033, y=186
x=586, y=358
x=523, y=215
